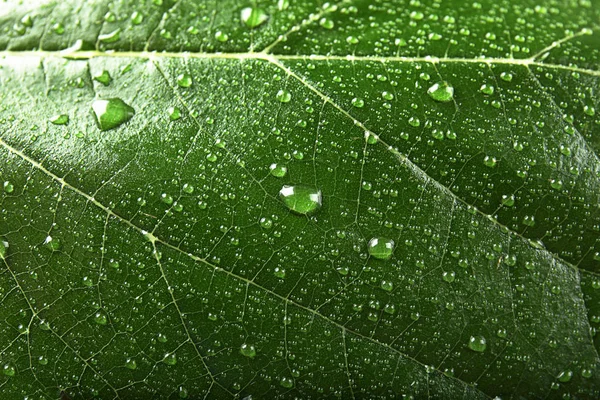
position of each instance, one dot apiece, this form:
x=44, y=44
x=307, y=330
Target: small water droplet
x=278, y=170
x=487, y=89
x=388, y=286
x=326, y=23
x=284, y=96
x=286, y=382
x=381, y=248
x=61, y=119
x=52, y=244
x=565, y=376
x=100, y=318
x=247, y=350
x=441, y=91
x=9, y=369
x=301, y=199
x=477, y=344
x=8, y=187
x=358, y=102
x=184, y=80
x=170, y=359
x=130, y=363
x=221, y=36
x=253, y=16
x=137, y=18
x=174, y=113
x=104, y=78
x=111, y=113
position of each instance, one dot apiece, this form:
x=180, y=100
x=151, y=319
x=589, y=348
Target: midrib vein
x=85, y=55
x=155, y=239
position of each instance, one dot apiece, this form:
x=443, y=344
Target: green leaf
x=267, y=199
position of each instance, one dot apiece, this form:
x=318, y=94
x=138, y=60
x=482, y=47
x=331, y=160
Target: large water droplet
x=381, y=248
x=111, y=113
x=253, y=16
x=301, y=199
x=442, y=92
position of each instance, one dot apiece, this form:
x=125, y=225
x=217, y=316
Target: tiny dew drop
x=278, y=170
x=174, y=113
x=489, y=161
x=506, y=76
x=283, y=96
x=388, y=286
x=381, y=248
x=253, y=16
x=3, y=249
x=61, y=119
x=247, y=350
x=170, y=359
x=441, y=91
x=279, y=272
x=487, y=89
x=508, y=201
x=358, y=102
x=100, y=318
x=111, y=113
x=565, y=376
x=137, y=18
x=286, y=382
x=104, y=78
x=266, y=223
x=9, y=369
x=326, y=23
x=184, y=80
x=8, y=187
x=301, y=199
x=477, y=343
x=52, y=243
x=221, y=36
x=130, y=363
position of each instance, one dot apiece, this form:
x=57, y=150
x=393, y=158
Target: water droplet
x=477, y=343
x=387, y=286
x=8, y=187
x=43, y=360
x=357, y=102
x=104, y=78
x=301, y=199
x=100, y=318
x=130, y=363
x=162, y=338
x=326, y=23
x=489, y=161
x=286, y=382
x=565, y=376
x=487, y=89
x=170, y=359
x=266, y=223
x=221, y=36
x=137, y=18
x=52, y=244
x=441, y=91
x=284, y=96
x=184, y=80
x=111, y=113
x=279, y=272
x=381, y=248
x=174, y=113
x=278, y=170
x=58, y=28
x=61, y=119
x=111, y=37
x=449, y=276
x=247, y=350
x=253, y=16
x=9, y=369
x=506, y=76
x=3, y=249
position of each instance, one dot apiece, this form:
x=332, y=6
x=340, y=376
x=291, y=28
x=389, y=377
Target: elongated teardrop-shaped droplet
x=381, y=248
x=441, y=92
x=3, y=248
x=110, y=113
x=301, y=199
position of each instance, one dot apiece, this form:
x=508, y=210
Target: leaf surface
x=159, y=253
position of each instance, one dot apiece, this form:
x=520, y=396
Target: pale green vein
x=73, y=54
